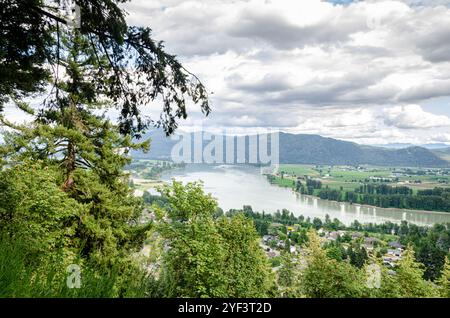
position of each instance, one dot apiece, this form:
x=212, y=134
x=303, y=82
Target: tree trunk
x=70, y=166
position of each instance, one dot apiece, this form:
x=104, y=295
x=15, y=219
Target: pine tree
x=409, y=277
x=288, y=273
x=381, y=282
x=327, y=278
x=444, y=281
x=208, y=257
x=88, y=154
x=135, y=69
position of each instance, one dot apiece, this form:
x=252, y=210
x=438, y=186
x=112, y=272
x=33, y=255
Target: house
x=356, y=235
x=333, y=236
x=370, y=242
x=396, y=245
x=272, y=253
x=396, y=252
x=268, y=238
x=293, y=250
x=388, y=263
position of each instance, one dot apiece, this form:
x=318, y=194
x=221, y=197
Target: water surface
x=235, y=186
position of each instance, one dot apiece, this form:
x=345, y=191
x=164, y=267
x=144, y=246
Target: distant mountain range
x=315, y=149
x=434, y=146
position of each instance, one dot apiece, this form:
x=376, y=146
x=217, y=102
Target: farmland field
x=348, y=178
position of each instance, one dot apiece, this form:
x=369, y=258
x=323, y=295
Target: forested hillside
x=314, y=149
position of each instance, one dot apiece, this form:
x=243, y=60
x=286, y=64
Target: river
x=235, y=186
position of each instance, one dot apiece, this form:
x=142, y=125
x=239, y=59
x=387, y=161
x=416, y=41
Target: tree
x=32, y=209
x=327, y=278
x=63, y=173
x=357, y=254
x=288, y=277
x=208, y=257
x=87, y=154
x=444, y=281
x=381, y=281
x=409, y=275
x=247, y=269
x=130, y=69
x=25, y=43
x=335, y=251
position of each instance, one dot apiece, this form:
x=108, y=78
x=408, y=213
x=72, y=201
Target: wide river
x=236, y=186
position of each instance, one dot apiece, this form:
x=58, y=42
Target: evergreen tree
x=288, y=277
x=327, y=278
x=208, y=257
x=444, y=281
x=381, y=281
x=409, y=275
x=135, y=70
x=247, y=270
x=88, y=154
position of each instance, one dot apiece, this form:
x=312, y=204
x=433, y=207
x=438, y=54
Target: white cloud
x=442, y=138
x=311, y=66
x=413, y=117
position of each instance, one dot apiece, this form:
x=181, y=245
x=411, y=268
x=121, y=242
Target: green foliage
x=33, y=208
x=127, y=67
x=444, y=280
x=246, y=266
x=208, y=257
x=336, y=251
x=357, y=255
x=409, y=275
x=327, y=278
x=64, y=196
x=288, y=284
x=86, y=155
x=383, y=282
x=25, y=274
x=25, y=43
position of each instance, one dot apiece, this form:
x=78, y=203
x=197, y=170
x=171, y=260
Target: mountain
x=315, y=149
x=443, y=153
x=434, y=146
x=160, y=146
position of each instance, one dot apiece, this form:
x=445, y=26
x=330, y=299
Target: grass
x=25, y=275
x=336, y=185
x=338, y=176
x=358, y=175
x=299, y=170
x=283, y=182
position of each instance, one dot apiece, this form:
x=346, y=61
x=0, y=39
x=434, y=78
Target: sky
x=366, y=71
x=372, y=72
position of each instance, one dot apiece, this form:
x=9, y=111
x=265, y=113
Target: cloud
x=442, y=138
x=432, y=89
x=344, y=69
x=267, y=84
x=413, y=117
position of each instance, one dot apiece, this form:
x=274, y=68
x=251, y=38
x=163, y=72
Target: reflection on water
x=235, y=186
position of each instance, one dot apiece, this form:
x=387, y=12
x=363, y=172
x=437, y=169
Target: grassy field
x=350, y=178
x=299, y=170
